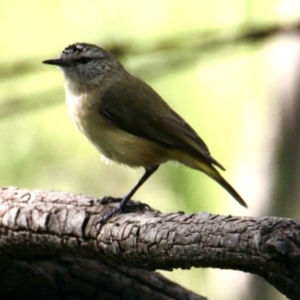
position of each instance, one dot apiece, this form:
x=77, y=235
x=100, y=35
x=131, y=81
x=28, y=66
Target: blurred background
x=230, y=68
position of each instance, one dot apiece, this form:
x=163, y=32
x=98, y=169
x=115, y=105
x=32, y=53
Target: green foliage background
x=213, y=90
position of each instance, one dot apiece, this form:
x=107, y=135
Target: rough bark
x=38, y=227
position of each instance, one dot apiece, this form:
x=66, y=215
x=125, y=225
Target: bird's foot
x=109, y=199
x=129, y=207
x=108, y=215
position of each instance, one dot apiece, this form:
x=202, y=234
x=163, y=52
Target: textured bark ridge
x=48, y=239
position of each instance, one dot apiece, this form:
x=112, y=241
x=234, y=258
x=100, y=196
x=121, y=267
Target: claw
x=108, y=199
x=131, y=206
x=108, y=215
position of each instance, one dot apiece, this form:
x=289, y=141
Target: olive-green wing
x=138, y=109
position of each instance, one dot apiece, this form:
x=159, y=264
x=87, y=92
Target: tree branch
x=78, y=278
x=47, y=225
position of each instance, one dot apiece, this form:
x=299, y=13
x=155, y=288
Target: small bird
x=126, y=120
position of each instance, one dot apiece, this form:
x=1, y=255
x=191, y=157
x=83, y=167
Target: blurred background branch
x=174, y=53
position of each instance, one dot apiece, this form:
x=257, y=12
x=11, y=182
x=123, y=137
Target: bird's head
x=87, y=65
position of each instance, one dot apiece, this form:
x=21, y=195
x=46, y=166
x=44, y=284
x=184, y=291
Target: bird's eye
x=83, y=60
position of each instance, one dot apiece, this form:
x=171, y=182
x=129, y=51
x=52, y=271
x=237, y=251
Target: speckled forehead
x=75, y=49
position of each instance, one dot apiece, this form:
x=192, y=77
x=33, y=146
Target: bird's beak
x=57, y=62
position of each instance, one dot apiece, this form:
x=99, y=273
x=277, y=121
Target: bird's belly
x=116, y=144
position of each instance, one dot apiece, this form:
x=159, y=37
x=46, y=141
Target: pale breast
x=114, y=143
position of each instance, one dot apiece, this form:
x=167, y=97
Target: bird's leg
x=126, y=198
